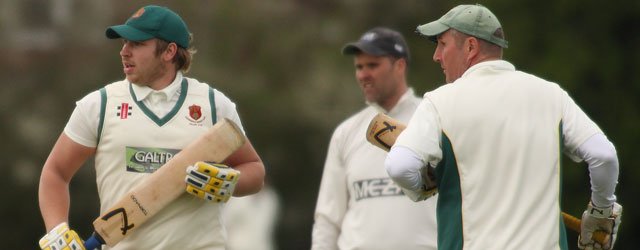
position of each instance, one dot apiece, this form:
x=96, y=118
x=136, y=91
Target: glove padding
x=606, y=219
x=61, y=237
x=211, y=181
x=429, y=189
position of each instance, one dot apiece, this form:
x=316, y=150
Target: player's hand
x=211, y=181
x=420, y=195
x=429, y=189
x=61, y=237
x=605, y=219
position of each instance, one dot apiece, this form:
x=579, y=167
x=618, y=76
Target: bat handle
x=93, y=242
x=574, y=224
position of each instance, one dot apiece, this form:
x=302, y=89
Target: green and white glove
x=61, y=237
x=211, y=181
x=605, y=219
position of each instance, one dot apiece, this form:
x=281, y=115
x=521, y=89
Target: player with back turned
x=358, y=205
x=134, y=126
x=496, y=136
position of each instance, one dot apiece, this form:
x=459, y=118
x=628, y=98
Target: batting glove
x=61, y=237
x=429, y=189
x=606, y=219
x=211, y=181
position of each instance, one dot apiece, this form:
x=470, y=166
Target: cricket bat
x=163, y=186
x=384, y=130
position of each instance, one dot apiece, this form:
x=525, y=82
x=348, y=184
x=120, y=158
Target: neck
x=484, y=58
x=395, y=98
x=163, y=81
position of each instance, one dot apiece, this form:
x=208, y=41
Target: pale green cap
x=474, y=20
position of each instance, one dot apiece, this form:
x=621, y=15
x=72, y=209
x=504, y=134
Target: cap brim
x=359, y=47
x=127, y=32
x=432, y=29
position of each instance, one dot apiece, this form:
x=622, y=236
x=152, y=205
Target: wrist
x=599, y=212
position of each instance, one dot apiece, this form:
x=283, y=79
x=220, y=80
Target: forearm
x=404, y=168
x=248, y=162
x=54, y=199
x=601, y=156
x=65, y=159
x=251, y=178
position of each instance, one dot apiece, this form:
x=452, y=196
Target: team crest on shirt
x=195, y=114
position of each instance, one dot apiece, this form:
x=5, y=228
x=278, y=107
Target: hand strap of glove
x=214, y=182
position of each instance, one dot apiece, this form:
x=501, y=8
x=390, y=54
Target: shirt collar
x=403, y=99
x=494, y=64
x=143, y=92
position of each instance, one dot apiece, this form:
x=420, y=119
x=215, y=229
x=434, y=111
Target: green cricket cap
x=152, y=22
x=474, y=20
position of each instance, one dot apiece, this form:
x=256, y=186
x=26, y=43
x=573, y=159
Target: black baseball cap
x=379, y=41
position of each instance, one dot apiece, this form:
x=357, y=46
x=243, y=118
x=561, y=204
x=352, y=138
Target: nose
x=436, y=56
x=125, y=50
x=362, y=74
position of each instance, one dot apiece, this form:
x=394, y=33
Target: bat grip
x=93, y=242
x=573, y=223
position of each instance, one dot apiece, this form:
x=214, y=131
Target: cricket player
x=359, y=206
x=495, y=136
x=133, y=127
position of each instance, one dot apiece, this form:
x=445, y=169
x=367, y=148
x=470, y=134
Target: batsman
x=495, y=136
x=133, y=127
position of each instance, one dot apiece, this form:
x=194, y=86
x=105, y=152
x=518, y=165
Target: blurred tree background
x=281, y=63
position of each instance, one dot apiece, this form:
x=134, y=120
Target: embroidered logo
x=138, y=13
x=195, y=114
x=124, y=110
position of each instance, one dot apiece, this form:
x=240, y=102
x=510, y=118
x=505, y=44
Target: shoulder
x=95, y=97
x=196, y=87
x=355, y=122
x=117, y=88
x=539, y=86
x=92, y=99
x=442, y=90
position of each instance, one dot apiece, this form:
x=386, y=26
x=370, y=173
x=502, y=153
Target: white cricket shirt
x=136, y=131
x=496, y=136
x=359, y=206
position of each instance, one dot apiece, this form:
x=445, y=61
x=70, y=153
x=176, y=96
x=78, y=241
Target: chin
x=132, y=79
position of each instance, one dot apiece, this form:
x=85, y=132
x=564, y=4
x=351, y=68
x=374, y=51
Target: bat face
x=166, y=184
x=383, y=131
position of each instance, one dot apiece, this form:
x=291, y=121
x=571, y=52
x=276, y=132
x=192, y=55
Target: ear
x=471, y=47
x=402, y=64
x=170, y=52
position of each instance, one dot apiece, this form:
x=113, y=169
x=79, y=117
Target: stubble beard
x=155, y=72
